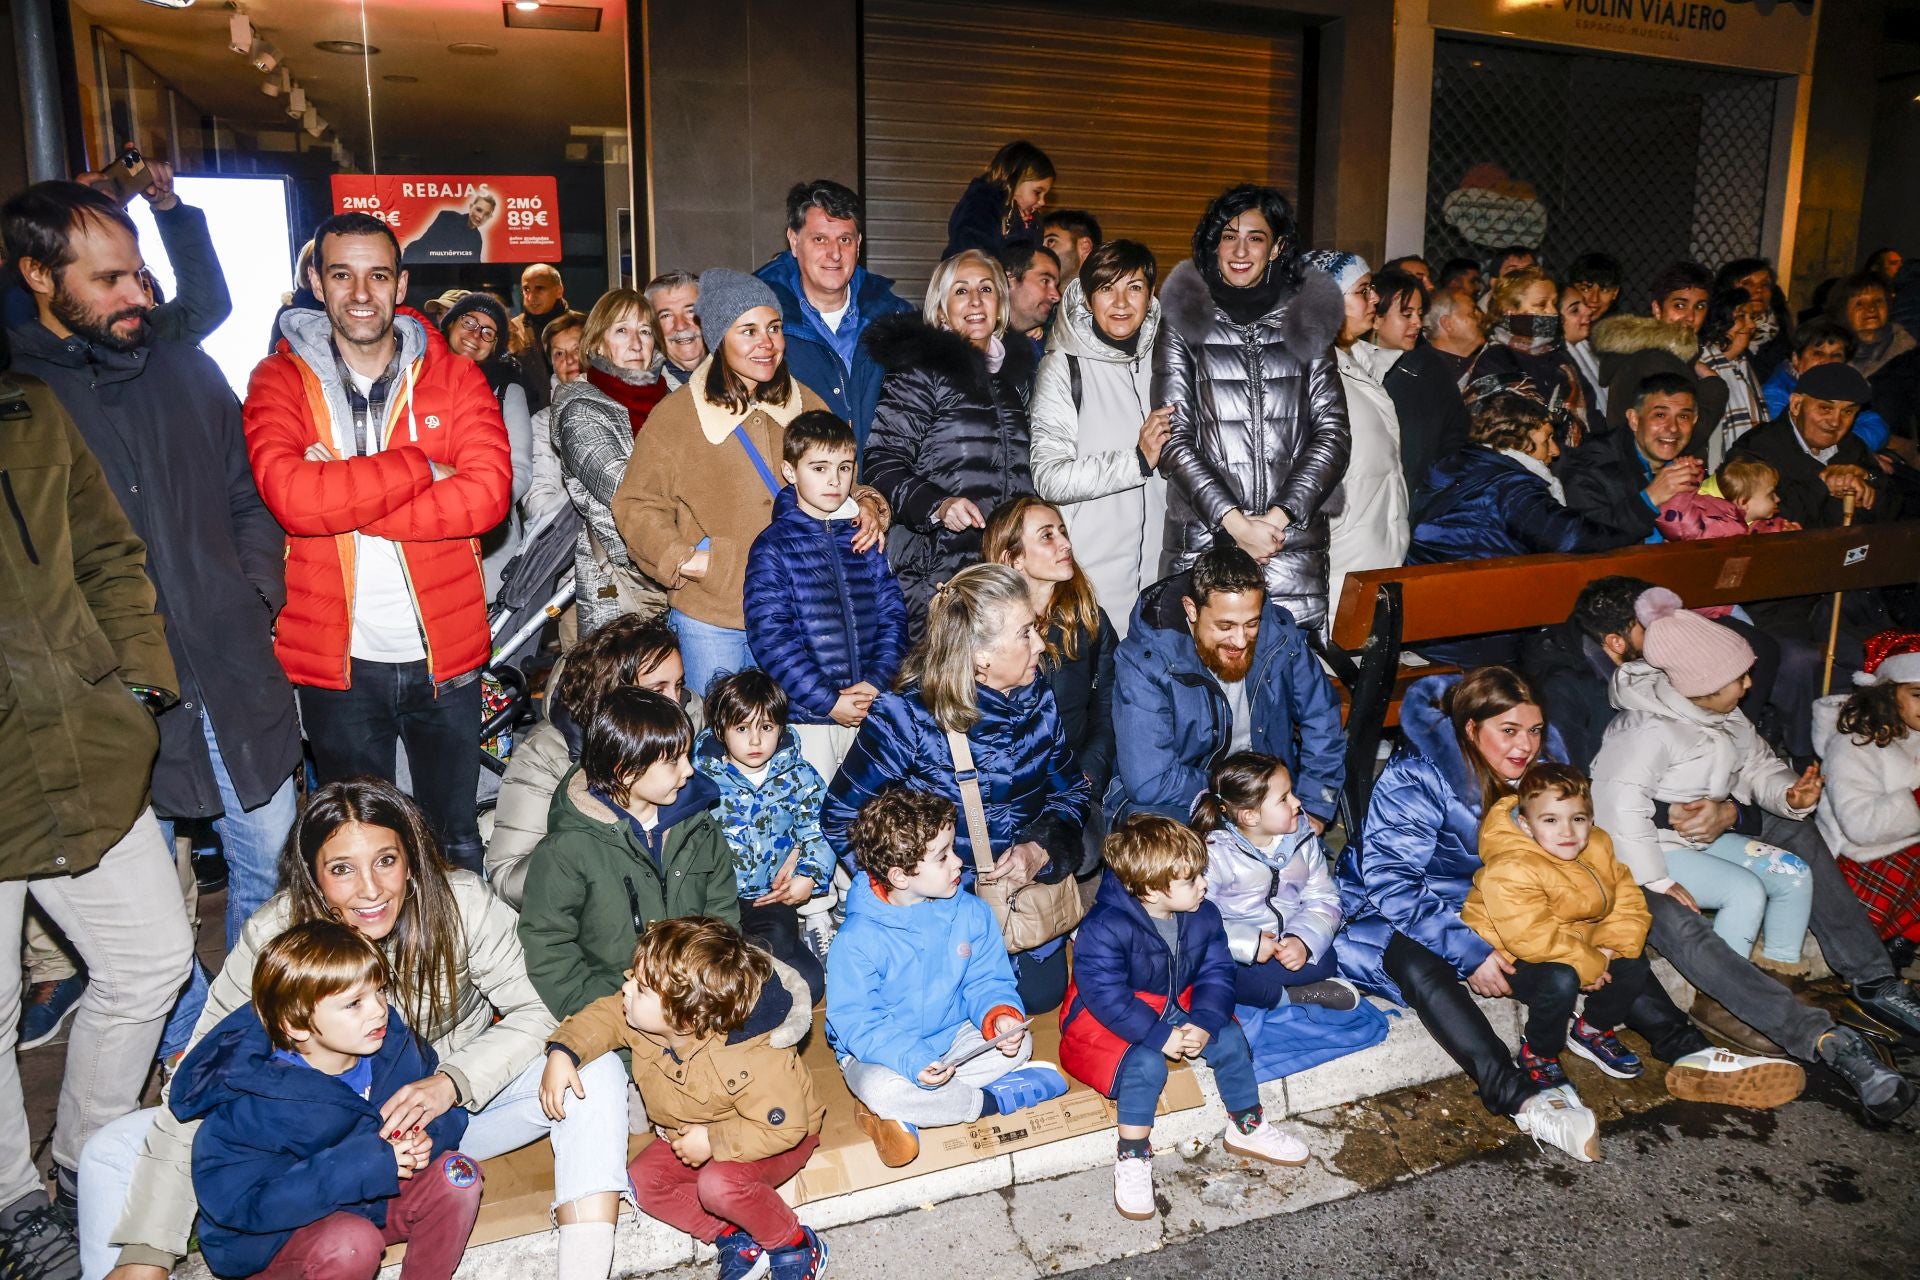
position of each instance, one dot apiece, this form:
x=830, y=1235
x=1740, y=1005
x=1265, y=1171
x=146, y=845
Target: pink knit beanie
x=1697, y=654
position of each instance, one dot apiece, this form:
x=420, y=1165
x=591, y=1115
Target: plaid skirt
x=1889, y=887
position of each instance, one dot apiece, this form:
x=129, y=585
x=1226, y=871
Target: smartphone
x=129, y=174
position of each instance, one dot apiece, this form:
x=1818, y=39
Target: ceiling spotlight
x=296, y=102
x=240, y=34
x=348, y=48
x=263, y=56
x=270, y=87
x=313, y=124
x=524, y=6
x=472, y=49
x=171, y=4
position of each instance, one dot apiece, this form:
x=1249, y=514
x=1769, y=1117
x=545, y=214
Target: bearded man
x=1211, y=666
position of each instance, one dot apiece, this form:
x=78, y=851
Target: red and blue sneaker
x=1546, y=1073
x=1603, y=1049
x=804, y=1261
x=741, y=1258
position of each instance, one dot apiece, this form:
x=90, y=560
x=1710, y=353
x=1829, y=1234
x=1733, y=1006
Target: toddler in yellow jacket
x=1568, y=918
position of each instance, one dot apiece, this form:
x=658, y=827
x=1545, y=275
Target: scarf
x=1893, y=341
x=1538, y=468
x=636, y=391
x=1244, y=306
x=1529, y=335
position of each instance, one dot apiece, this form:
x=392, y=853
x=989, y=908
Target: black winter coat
x=166, y=429
x=1083, y=690
x=1603, y=479
x=944, y=428
x=1803, y=494
x=1432, y=412
x=1571, y=672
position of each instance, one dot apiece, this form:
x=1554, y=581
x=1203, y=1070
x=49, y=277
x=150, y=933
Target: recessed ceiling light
x=396, y=78
x=472, y=49
x=524, y=6
x=350, y=47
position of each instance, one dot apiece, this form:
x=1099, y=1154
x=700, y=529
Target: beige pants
x=45, y=955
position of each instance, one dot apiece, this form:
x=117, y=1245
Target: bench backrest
x=1511, y=593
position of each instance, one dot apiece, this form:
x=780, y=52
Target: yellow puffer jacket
x=1547, y=910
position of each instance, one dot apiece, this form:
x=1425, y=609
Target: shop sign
x=1754, y=35
x=455, y=218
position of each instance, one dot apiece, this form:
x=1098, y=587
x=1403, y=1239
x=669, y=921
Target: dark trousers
x=1265, y=985
x=775, y=928
x=1042, y=983
x=354, y=731
x=1440, y=999
x=1633, y=997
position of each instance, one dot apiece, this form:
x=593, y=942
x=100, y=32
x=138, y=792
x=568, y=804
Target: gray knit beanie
x=725, y=296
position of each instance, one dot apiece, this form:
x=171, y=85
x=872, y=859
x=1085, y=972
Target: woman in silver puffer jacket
x=1260, y=438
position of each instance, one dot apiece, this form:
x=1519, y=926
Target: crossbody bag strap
x=976, y=810
x=759, y=463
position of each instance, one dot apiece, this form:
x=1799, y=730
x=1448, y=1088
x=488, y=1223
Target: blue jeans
x=1143, y=1074
x=251, y=839
x=709, y=652
x=1746, y=882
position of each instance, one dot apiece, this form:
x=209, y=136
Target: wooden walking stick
x=1833, y=629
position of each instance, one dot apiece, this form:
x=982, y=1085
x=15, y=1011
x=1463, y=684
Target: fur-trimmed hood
x=1307, y=320
x=1626, y=335
x=905, y=341
x=1428, y=731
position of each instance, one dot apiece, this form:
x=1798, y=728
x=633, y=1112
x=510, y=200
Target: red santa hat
x=1893, y=657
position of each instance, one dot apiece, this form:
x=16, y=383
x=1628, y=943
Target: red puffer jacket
x=440, y=410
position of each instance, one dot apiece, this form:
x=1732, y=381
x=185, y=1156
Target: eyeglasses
x=475, y=325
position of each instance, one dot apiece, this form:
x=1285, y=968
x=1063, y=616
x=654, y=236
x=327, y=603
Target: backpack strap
x=1073, y=376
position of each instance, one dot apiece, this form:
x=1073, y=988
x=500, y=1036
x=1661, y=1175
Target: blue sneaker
x=801, y=1261
x=1028, y=1087
x=1603, y=1049
x=47, y=1007
x=741, y=1258
x=1546, y=1073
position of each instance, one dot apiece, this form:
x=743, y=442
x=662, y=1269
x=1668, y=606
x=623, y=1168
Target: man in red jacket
x=384, y=457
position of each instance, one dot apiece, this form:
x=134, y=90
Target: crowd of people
x=941, y=664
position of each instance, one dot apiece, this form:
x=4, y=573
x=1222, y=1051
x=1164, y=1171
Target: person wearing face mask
x=1097, y=436
x=1002, y=206
x=1525, y=346
x=950, y=437
x=1368, y=528
x=1726, y=339
x=473, y=326
x=596, y=421
x=675, y=299
x=1259, y=439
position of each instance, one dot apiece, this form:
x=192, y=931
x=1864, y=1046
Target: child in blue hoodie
x=825, y=616
x=295, y=1177
x=917, y=978
x=770, y=810
x=1153, y=981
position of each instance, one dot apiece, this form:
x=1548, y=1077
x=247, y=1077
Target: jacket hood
x=782, y=273
x=1641, y=686
x=1826, y=724
x=1075, y=333
x=932, y=919
x=1370, y=359
x=905, y=341
x=309, y=335
x=236, y=1059
x=784, y=1011
x=1625, y=335
x=699, y=793
x=1230, y=838
x=711, y=754
x=1307, y=320
x=1160, y=622
x=1428, y=731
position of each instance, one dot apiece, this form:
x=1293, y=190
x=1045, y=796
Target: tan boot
x=1713, y=1018
x=897, y=1142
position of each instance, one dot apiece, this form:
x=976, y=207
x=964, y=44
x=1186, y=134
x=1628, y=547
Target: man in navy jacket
x=828, y=299
x=1211, y=666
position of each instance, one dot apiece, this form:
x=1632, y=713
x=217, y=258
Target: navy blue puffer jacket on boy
x=820, y=615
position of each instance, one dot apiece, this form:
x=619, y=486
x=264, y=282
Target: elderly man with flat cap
x=1813, y=448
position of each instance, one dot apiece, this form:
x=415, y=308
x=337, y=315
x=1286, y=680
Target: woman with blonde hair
x=976, y=673
x=950, y=435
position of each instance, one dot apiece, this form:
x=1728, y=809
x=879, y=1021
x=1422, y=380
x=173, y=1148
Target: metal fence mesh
x=1647, y=161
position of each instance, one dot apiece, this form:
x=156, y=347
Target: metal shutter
x=1145, y=121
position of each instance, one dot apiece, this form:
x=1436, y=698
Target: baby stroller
x=535, y=587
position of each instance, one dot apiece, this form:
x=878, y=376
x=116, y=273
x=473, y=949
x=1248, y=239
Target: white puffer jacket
x=1370, y=525
x=1662, y=747
x=1085, y=460
x=1869, y=809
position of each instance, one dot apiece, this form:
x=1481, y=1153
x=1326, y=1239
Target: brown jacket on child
x=748, y=1086
x=1547, y=910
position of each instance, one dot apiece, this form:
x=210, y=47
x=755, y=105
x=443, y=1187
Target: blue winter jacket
x=1118, y=953
x=1479, y=503
x=903, y=981
x=820, y=615
x=282, y=1145
x=767, y=823
x=1030, y=781
x=1171, y=720
x=1418, y=850
x=850, y=392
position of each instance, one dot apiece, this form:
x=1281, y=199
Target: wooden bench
x=1383, y=612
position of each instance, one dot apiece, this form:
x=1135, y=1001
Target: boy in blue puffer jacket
x=824, y=615
x=292, y=1168
x=917, y=979
x=1153, y=981
x=770, y=812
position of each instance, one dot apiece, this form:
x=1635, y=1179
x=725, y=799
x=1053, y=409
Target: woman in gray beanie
x=702, y=482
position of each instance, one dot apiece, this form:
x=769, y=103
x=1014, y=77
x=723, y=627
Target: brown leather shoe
x=1713, y=1018
x=896, y=1141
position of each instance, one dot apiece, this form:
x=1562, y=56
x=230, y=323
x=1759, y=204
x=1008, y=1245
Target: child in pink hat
x=1678, y=736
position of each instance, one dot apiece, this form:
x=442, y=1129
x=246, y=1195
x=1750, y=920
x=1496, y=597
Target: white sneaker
x=1550, y=1120
x=1275, y=1146
x=1735, y=1079
x=1133, y=1189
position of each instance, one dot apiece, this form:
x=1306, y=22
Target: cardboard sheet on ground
x=519, y=1186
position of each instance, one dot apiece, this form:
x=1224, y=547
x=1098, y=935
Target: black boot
x=1884, y=1093
x=35, y=1244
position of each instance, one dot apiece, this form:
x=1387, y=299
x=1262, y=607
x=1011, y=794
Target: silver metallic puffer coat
x=1260, y=421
